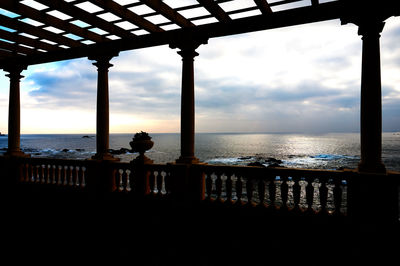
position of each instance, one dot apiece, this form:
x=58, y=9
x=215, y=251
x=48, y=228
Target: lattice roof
x=40, y=31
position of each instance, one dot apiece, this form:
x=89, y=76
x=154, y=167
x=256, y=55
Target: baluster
x=71, y=175
x=213, y=178
x=330, y=198
x=267, y=195
x=233, y=184
x=290, y=194
x=43, y=173
x=151, y=181
x=128, y=187
x=239, y=188
x=228, y=188
x=218, y=186
x=168, y=183
x=53, y=174
x=303, y=205
x=343, y=202
x=243, y=182
x=261, y=192
x=83, y=179
x=223, y=187
x=316, y=201
x=120, y=180
x=38, y=174
x=255, y=189
x=78, y=174
x=59, y=175
x=49, y=175
x=155, y=189
x=278, y=202
x=249, y=190
x=65, y=175
x=163, y=187
x=159, y=181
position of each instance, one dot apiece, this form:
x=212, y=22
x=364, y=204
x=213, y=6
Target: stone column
x=102, y=109
x=14, y=113
x=188, y=53
x=371, y=99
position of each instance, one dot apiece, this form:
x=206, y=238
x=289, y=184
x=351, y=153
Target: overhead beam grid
x=41, y=31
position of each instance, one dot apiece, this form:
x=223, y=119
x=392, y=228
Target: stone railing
x=280, y=190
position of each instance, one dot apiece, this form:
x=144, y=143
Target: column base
x=378, y=168
x=188, y=160
x=18, y=154
x=104, y=157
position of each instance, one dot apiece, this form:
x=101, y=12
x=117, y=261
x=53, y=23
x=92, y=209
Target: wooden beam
x=14, y=37
x=78, y=13
x=263, y=6
x=49, y=20
x=215, y=10
x=298, y=16
x=126, y=14
x=4, y=54
x=16, y=48
x=41, y=33
x=169, y=13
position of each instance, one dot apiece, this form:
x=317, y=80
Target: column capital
x=102, y=60
x=14, y=71
x=370, y=28
x=188, y=46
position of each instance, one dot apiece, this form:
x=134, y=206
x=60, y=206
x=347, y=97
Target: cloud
x=297, y=79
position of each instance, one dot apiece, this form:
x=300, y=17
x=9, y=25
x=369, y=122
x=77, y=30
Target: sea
x=310, y=151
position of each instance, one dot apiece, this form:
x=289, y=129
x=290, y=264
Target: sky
x=297, y=79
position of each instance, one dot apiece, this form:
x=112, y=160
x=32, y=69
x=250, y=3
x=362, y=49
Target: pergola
x=41, y=31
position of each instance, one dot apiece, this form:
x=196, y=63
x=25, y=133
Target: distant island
x=2, y=134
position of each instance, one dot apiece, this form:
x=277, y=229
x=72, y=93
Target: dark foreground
x=152, y=232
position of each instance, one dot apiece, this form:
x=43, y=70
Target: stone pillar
x=14, y=113
x=188, y=53
x=102, y=109
x=371, y=99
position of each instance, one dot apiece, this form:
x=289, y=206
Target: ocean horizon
x=298, y=150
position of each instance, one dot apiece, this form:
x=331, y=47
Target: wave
x=324, y=161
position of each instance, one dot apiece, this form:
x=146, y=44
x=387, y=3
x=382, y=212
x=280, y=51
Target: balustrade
x=160, y=176
x=66, y=173
x=288, y=189
x=281, y=190
x=124, y=178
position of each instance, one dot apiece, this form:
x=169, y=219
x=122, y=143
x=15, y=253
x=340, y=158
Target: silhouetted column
x=188, y=53
x=14, y=113
x=371, y=99
x=102, y=109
